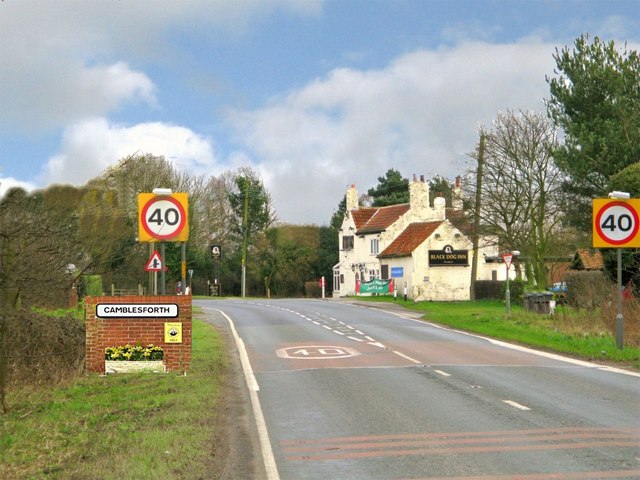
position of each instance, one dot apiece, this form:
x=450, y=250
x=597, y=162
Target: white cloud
x=91, y=146
x=419, y=115
x=7, y=183
x=67, y=60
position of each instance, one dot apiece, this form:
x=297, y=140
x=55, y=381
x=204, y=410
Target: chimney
x=352, y=198
x=419, y=197
x=457, y=194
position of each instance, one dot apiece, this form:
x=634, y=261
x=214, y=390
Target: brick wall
x=111, y=332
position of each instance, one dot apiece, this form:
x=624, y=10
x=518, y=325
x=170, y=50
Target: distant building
x=420, y=246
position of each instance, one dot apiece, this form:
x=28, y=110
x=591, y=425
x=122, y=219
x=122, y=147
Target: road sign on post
x=216, y=252
x=616, y=223
x=163, y=217
x=155, y=263
x=507, y=258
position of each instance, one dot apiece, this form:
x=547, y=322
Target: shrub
x=489, y=290
x=312, y=289
x=516, y=289
x=587, y=289
x=91, y=285
x=134, y=352
x=42, y=349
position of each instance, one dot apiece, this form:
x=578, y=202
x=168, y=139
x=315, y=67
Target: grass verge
x=143, y=426
x=566, y=332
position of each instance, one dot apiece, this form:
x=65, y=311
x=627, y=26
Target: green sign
x=375, y=286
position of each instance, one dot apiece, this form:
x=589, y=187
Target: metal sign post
x=616, y=223
x=507, y=258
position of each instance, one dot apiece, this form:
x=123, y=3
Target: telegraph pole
x=244, y=238
x=476, y=216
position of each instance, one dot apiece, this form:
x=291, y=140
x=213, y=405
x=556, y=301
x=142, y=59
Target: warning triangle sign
x=155, y=263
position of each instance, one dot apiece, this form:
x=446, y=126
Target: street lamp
x=507, y=258
x=619, y=317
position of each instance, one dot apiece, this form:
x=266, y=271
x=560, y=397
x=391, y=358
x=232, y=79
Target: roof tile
x=410, y=239
x=377, y=219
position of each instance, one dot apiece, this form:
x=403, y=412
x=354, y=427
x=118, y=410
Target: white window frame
x=375, y=246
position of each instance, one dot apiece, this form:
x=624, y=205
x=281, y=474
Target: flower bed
x=128, y=353
x=134, y=358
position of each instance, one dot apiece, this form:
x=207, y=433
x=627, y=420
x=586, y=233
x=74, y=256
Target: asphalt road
x=342, y=391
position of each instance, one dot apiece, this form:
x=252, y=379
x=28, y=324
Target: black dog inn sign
x=448, y=257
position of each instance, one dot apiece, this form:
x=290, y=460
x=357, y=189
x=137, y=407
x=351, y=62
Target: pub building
x=423, y=248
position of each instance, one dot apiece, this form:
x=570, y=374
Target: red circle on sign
x=633, y=231
x=178, y=228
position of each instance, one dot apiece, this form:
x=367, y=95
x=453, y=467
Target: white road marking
x=377, y=344
x=356, y=339
x=406, y=357
x=339, y=333
x=516, y=405
x=444, y=374
x=267, y=453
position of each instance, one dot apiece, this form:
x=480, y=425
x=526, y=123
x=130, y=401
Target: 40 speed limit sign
x=163, y=218
x=616, y=223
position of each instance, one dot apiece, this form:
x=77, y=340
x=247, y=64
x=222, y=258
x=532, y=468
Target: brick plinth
x=112, y=332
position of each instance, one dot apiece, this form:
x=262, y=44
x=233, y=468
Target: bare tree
x=521, y=186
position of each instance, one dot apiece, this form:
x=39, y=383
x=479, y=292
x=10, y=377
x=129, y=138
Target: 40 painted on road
x=317, y=352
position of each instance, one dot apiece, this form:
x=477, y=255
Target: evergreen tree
x=392, y=189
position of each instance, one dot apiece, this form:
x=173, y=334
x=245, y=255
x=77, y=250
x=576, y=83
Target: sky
x=314, y=95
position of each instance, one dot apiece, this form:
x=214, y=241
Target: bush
x=42, y=349
x=312, y=289
x=587, y=289
x=91, y=285
x=516, y=289
x=489, y=290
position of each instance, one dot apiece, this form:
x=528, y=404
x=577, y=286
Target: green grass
x=61, y=312
x=142, y=426
x=566, y=332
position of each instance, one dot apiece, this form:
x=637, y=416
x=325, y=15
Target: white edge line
x=540, y=353
x=265, y=444
x=444, y=374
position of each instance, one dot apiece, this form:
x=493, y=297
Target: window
x=385, y=272
x=374, y=274
x=375, y=246
x=347, y=242
x=336, y=280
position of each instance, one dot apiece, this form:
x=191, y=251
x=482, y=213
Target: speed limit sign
x=163, y=217
x=616, y=223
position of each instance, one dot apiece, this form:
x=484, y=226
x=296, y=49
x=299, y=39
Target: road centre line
x=516, y=405
x=406, y=357
x=371, y=341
